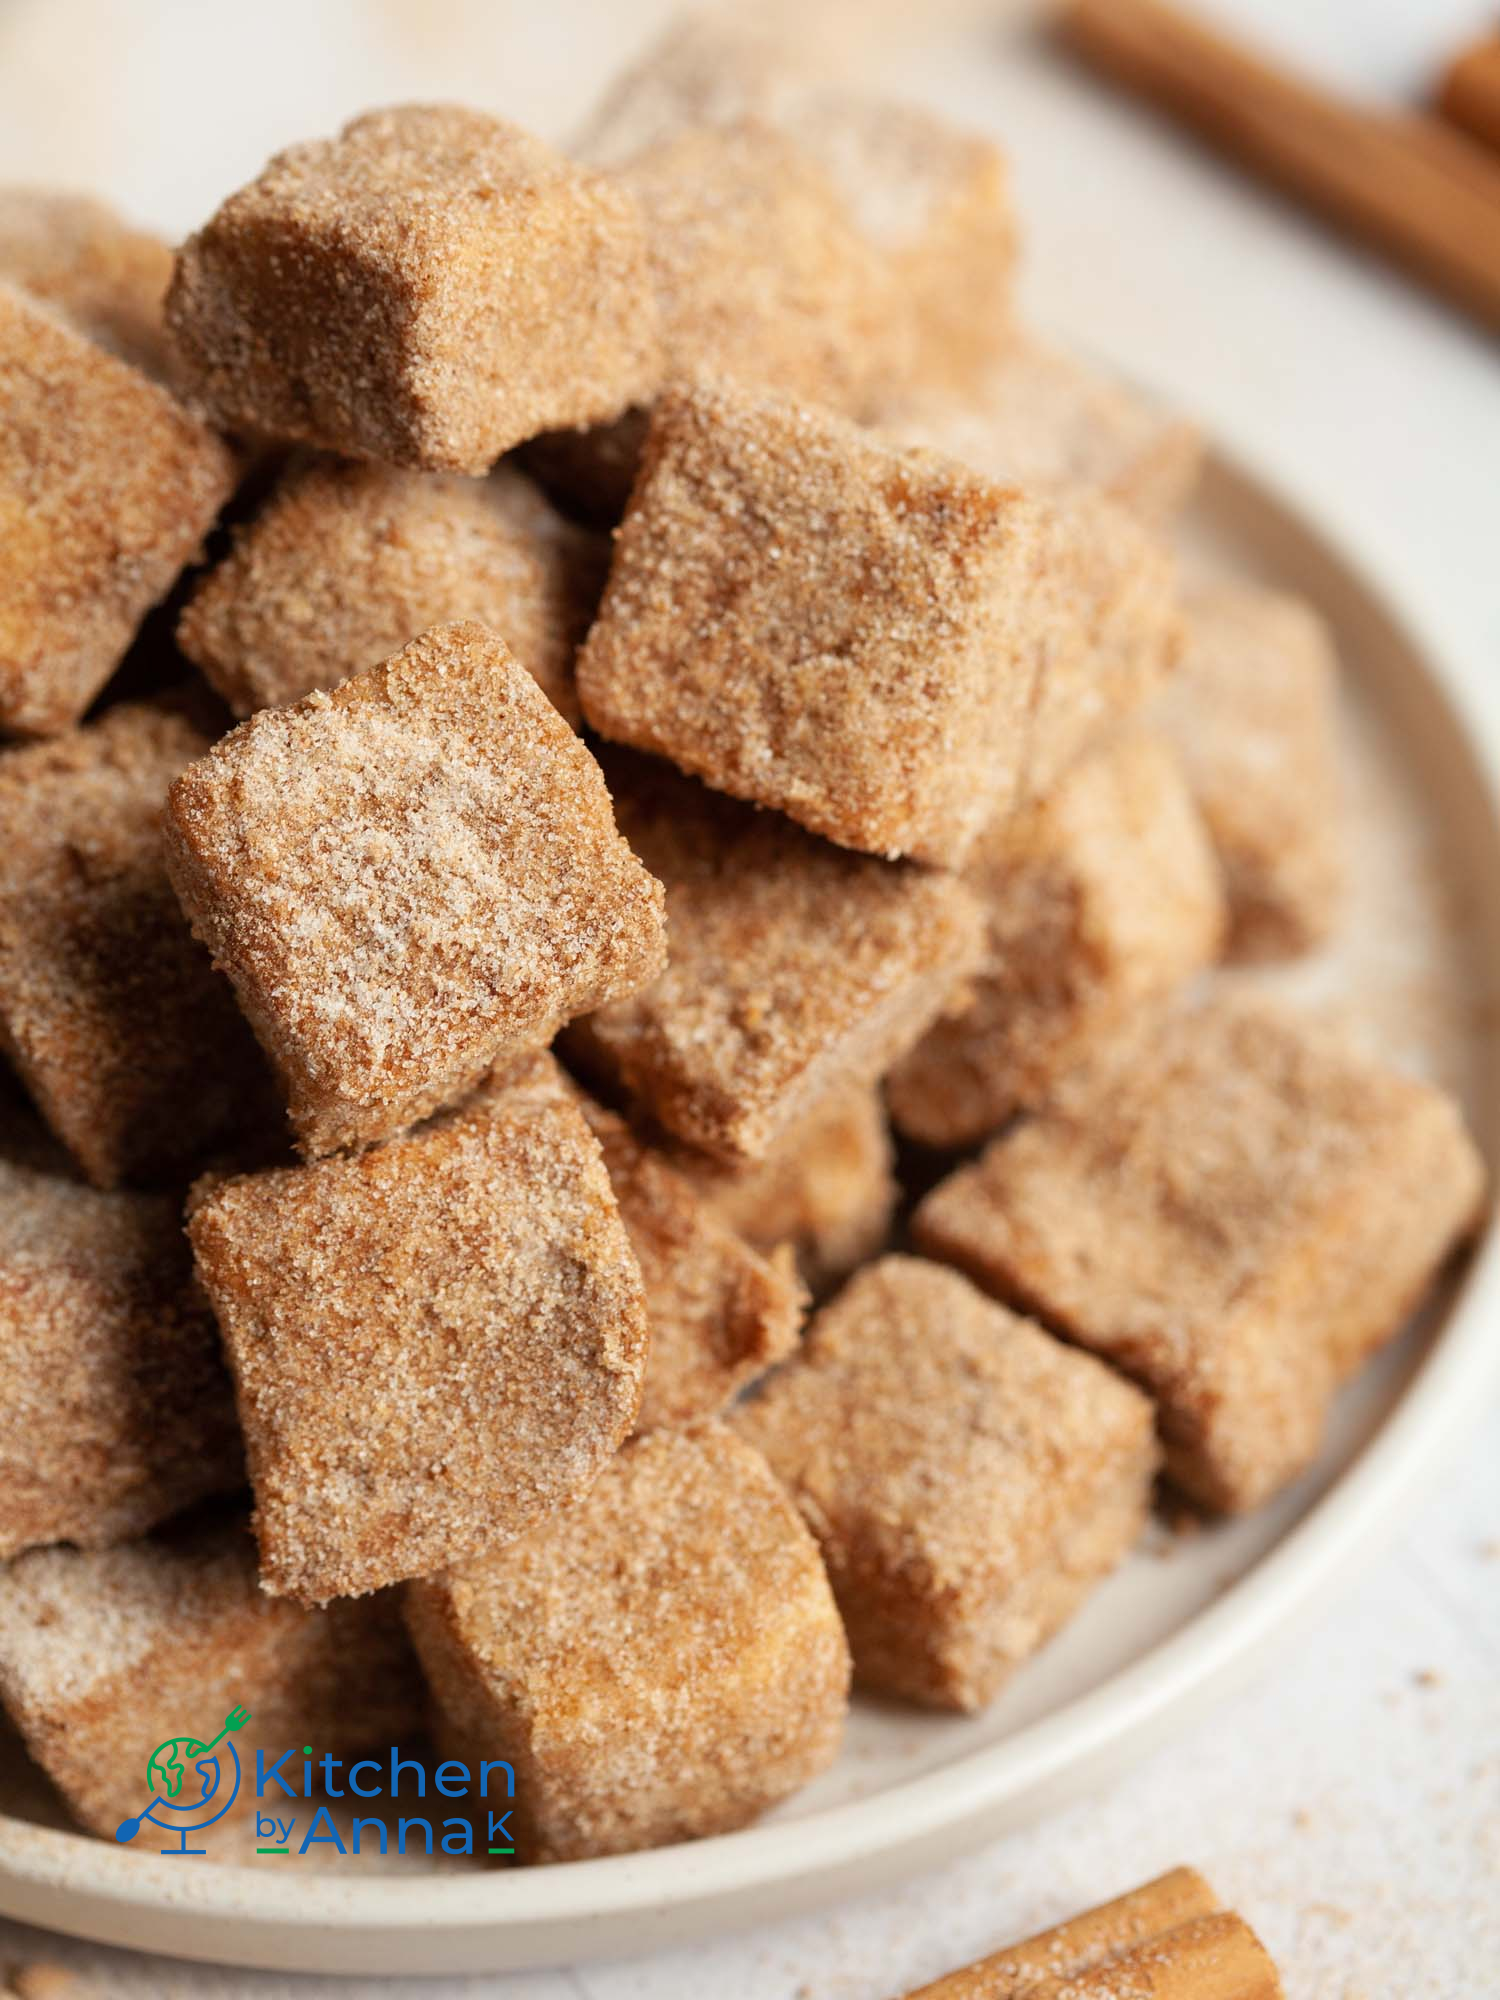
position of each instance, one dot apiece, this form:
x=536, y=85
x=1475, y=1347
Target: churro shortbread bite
x=1102, y=897
x=827, y=1187
x=868, y=639
x=111, y=1013
x=77, y=255
x=345, y=563
x=1252, y=710
x=433, y=1344
x=968, y=1478
x=659, y=1662
x=103, y=1654
x=795, y=968
x=409, y=880
x=719, y=1314
x=429, y=288
x=115, y=1408
x=107, y=489
x=1234, y=1211
x=1042, y=420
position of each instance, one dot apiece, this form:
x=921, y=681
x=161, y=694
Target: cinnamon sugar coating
x=78, y=255
x=794, y=967
x=409, y=880
x=102, y=1655
x=826, y=1189
x=346, y=563
x=115, y=1409
x=429, y=288
x=1252, y=710
x=659, y=1662
x=879, y=643
x=113, y=1016
x=1040, y=419
x=433, y=1344
x=107, y=488
x=967, y=1477
x=719, y=1314
x=1101, y=897
x=1234, y=1211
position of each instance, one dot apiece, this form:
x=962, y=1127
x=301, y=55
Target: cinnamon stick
x=1469, y=94
x=1426, y=196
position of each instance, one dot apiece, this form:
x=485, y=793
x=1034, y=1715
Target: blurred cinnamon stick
x=1426, y=196
x=1469, y=95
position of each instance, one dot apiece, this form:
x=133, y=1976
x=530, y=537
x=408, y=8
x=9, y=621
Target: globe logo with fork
x=192, y=1785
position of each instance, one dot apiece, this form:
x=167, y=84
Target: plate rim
x=234, y=1914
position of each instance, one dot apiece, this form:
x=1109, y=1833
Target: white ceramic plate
x=1169, y=1634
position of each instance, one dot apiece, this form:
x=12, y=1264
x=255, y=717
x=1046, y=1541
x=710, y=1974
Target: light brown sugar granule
x=115, y=1409
x=346, y=563
x=113, y=1016
x=78, y=255
x=1101, y=897
x=1252, y=712
x=719, y=1314
x=104, y=1655
x=659, y=1662
x=1044, y=421
x=107, y=488
x=968, y=1478
x=794, y=967
x=1233, y=1211
x=409, y=880
x=429, y=288
x=873, y=641
x=432, y=1344
x=826, y=1188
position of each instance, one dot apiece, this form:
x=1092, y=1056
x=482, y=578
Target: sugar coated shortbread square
x=880, y=643
x=795, y=968
x=77, y=254
x=659, y=1662
x=409, y=880
x=105, y=1654
x=112, y=1014
x=1252, y=710
x=1233, y=1210
x=115, y=1407
x=107, y=489
x=429, y=288
x=1101, y=897
x=345, y=563
x=432, y=1344
x=968, y=1478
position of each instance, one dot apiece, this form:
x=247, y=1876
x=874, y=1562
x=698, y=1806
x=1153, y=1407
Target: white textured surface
x=1351, y=1802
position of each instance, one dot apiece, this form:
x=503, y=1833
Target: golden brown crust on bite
x=660, y=1662
x=409, y=880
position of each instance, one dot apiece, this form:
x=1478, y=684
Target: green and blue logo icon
x=193, y=1784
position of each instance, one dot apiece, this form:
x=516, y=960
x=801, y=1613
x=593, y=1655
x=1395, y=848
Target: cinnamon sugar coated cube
x=1231, y=1209
x=77, y=255
x=793, y=968
x=432, y=1344
x=1040, y=419
x=113, y=1017
x=103, y=1655
x=826, y=1189
x=429, y=288
x=107, y=488
x=1101, y=897
x=968, y=1478
x=1252, y=710
x=346, y=563
x=719, y=1314
x=409, y=880
x=115, y=1409
x=659, y=1662
x=855, y=635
